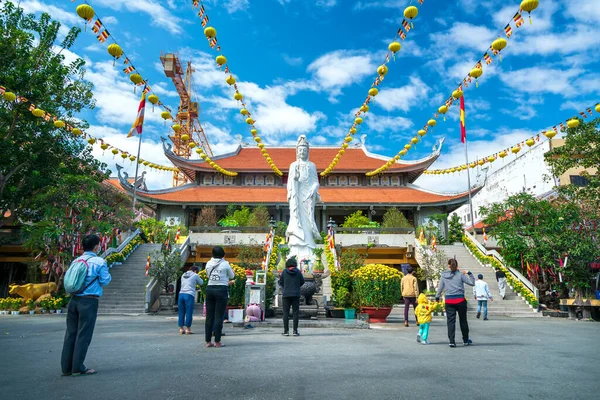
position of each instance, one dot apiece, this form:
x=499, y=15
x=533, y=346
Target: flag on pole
x=485, y=237
x=147, y=265
x=508, y=30
x=177, y=235
x=434, y=244
x=463, y=131
x=139, y=120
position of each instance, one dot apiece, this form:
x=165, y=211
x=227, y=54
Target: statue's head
x=302, y=148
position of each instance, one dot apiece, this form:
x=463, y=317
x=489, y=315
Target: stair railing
x=493, y=253
x=124, y=243
x=153, y=289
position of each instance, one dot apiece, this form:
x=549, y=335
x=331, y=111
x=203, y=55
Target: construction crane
x=187, y=113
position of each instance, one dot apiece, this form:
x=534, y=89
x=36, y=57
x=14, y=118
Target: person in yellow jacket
x=423, y=311
x=410, y=291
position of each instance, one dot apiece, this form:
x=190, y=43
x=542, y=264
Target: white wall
x=525, y=173
x=392, y=240
x=214, y=239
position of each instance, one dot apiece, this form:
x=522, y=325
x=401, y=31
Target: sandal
x=188, y=332
x=219, y=344
x=87, y=372
x=181, y=331
x=209, y=344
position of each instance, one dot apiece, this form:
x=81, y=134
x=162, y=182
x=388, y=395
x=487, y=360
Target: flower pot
x=377, y=314
x=349, y=313
x=31, y=312
x=16, y=312
x=337, y=313
x=44, y=311
x=59, y=311
x=52, y=311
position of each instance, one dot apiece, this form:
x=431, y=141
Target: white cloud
x=110, y=20
x=236, y=5
x=405, y=97
x=160, y=15
x=383, y=123
x=463, y=35
x=293, y=61
x=326, y=4
x=541, y=18
x=160, y=88
x=399, y=4
x=544, y=80
x=583, y=10
x=58, y=13
x=578, y=39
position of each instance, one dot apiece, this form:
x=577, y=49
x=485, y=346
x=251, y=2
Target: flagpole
x=137, y=166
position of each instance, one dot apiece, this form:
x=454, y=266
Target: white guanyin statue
x=302, y=195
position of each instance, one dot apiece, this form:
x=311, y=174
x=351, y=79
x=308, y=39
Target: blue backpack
x=74, y=281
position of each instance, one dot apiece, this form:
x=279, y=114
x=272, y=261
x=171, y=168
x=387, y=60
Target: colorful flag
x=494, y=51
x=226, y=69
x=434, y=244
x=421, y=2
x=204, y=21
x=201, y=12
x=406, y=25
x=139, y=120
x=103, y=36
x=126, y=61
x=2, y=89
x=147, y=264
x=129, y=69
x=508, y=30
x=485, y=237
x=487, y=58
x=590, y=111
x=212, y=43
x=582, y=114
x=147, y=90
x=31, y=107
x=177, y=236
x=97, y=25
x=195, y=2
x=518, y=20
x=463, y=131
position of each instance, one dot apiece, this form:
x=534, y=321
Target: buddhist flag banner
x=97, y=26
x=103, y=36
x=487, y=58
x=147, y=265
x=139, y=120
x=508, y=30
x=463, y=131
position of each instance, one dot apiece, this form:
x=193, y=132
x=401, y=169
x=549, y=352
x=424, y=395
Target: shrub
x=356, y=220
x=259, y=217
x=206, y=217
x=341, y=283
x=394, y=218
x=376, y=285
x=237, y=291
x=280, y=228
x=154, y=230
x=165, y=267
x=455, y=229
x=351, y=259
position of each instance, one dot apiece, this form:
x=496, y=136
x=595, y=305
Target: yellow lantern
x=373, y=92
x=104, y=146
x=244, y=112
x=221, y=60
x=472, y=165
x=352, y=130
x=249, y=121
x=76, y=131
x=38, y=113
x=210, y=32
x=382, y=70
x=191, y=145
x=410, y=13
x=145, y=162
x=253, y=132
x=457, y=94
x=422, y=132
x=115, y=152
x=123, y=155
x=364, y=108
x=358, y=120
x=261, y=145
x=257, y=139
x=131, y=158
x=91, y=140
x=238, y=96
x=515, y=150
x=443, y=110
x=502, y=154
x=9, y=96
x=136, y=79
x=165, y=115
x=491, y=159
x=344, y=145
x=407, y=146
x=396, y=157
x=348, y=139
x=529, y=6
x=185, y=137
x=498, y=45
x=230, y=80
x=431, y=122
x=550, y=134
x=476, y=73
x=572, y=123
x=480, y=162
x=176, y=127
x=203, y=156
x=597, y=108
x=263, y=151
x=394, y=47
x=414, y=140
x=198, y=150
x=153, y=99
x=211, y=163
x=59, y=124
x=115, y=51
x=530, y=142
x=86, y=12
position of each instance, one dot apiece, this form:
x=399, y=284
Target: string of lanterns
x=570, y=123
x=475, y=73
x=44, y=116
x=211, y=36
x=410, y=13
x=87, y=13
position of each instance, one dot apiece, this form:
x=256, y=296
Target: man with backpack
x=84, y=281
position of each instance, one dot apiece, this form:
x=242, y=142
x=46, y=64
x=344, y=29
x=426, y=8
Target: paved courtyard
x=145, y=358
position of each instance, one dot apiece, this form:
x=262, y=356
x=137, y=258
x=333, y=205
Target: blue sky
x=305, y=66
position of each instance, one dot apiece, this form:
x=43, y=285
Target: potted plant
x=237, y=291
x=15, y=306
x=45, y=304
x=58, y=303
x=284, y=250
x=318, y=267
x=376, y=288
x=344, y=300
x=31, y=306
x=2, y=306
x=341, y=283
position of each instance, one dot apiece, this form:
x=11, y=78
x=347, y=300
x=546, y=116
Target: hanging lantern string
x=410, y=13
x=11, y=97
x=211, y=36
x=100, y=30
x=475, y=72
x=572, y=122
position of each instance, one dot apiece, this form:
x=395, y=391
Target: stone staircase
x=511, y=306
x=125, y=293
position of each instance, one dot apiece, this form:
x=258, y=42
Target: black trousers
x=451, y=311
x=216, y=303
x=295, y=303
x=81, y=320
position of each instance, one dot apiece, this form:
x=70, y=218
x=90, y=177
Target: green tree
x=455, y=229
x=242, y=216
x=394, y=218
x=352, y=259
x=165, y=267
x=358, y=220
x=35, y=155
x=259, y=217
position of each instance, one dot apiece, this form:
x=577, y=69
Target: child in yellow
x=423, y=311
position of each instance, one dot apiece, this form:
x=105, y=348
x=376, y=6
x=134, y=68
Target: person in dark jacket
x=291, y=280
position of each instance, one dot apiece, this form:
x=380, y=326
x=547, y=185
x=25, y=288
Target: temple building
x=344, y=191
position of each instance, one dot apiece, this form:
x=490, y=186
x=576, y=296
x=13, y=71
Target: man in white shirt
x=481, y=293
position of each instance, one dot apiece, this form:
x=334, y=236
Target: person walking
x=291, y=280
x=220, y=276
x=410, y=291
x=82, y=310
x=481, y=293
x=452, y=283
x=187, y=298
x=423, y=312
x=501, y=279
